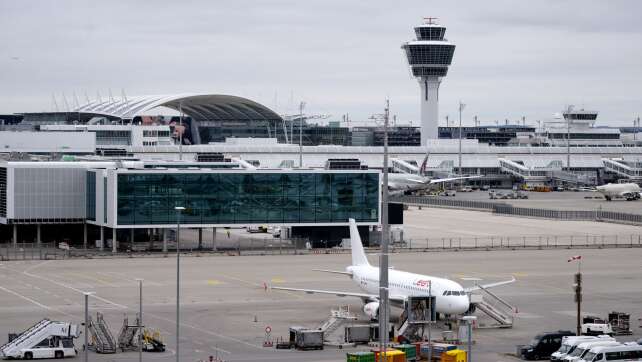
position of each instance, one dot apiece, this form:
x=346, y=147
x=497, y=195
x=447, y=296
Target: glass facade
x=247, y=198
x=90, y=201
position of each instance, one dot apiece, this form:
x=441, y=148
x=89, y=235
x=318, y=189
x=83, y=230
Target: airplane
x=450, y=297
x=399, y=183
x=628, y=191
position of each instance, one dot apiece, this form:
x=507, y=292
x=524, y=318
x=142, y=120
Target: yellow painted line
x=277, y=280
x=520, y=274
x=257, y=285
x=214, y=282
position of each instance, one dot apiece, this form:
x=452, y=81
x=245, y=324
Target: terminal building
x=110, y=199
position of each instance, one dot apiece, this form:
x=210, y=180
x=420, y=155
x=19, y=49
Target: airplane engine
x=371, y=310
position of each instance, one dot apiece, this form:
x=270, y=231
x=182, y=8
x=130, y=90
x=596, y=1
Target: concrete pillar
x=84, y=235
x=152, y=234
x=114, y=249
x=165, y=241
x=15, y=235
x=214, y=248
x=200, y=238
x=102, y=238
x=38, y=235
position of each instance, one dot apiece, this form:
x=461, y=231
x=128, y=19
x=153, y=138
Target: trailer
x=45, y=339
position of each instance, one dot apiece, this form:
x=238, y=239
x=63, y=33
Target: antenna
x=430, y=20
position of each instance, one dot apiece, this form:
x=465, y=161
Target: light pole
x=469, y=319
x=140, y=319
x=383, y=265
x=86, y=352
x=569, y=109
x=179, y=210
x=301, y=105
x=461, y=108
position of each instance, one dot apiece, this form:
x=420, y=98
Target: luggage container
x=357, y=333
x=437, y=349
x=409, y=349
x=455, y=355
x=360, y=357
x=391, y=355
x=306, y=339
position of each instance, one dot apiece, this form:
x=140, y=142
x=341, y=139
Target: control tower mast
x=429, y=57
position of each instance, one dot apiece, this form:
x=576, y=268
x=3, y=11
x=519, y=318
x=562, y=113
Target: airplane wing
x=333, y=271
x=491, y=285
x=363, y=296
x=332, y=292
x=449, y=179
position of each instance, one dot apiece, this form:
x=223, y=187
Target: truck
x=45, y=339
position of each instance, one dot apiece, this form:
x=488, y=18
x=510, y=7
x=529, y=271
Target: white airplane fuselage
x=450, y=297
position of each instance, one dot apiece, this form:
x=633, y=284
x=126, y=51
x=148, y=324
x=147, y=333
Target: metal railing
x=30, y=251
x=507, y=209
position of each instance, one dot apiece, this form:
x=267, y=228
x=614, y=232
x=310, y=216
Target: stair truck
x=45, y=339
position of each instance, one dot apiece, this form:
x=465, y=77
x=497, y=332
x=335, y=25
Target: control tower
x=429, y=57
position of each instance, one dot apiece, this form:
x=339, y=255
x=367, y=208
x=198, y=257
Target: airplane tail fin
x=358, y=255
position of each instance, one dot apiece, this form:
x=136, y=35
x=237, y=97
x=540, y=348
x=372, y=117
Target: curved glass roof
x=202, y=107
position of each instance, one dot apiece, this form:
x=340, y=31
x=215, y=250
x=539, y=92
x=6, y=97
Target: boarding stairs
x=500, y=311
x=126, y=337
x=337, y=319
x=35, y=334
x=103, y=340
x=411, y=331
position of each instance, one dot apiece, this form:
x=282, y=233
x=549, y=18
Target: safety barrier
x=507, y=209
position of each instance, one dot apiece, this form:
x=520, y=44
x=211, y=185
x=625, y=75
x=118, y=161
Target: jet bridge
x=632, y=170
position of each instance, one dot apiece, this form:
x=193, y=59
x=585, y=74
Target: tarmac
x=225, y=306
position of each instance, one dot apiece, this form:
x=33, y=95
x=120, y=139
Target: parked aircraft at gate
x=450, y=296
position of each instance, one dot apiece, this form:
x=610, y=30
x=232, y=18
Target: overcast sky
x=513, y=58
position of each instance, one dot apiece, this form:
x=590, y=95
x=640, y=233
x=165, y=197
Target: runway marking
x=27, y=273
x=124, y=277
x=261, y=286
x=277, y=280
x=120, y=306
x=214, y=282
x=34, y=302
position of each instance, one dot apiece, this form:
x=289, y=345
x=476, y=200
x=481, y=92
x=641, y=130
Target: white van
x=570, y=342
x=625, y=352
x=584, y=347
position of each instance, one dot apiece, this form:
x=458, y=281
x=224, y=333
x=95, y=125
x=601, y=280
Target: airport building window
x=247, y=198
x=91, y=196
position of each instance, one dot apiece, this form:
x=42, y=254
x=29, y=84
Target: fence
x=30, y=251
x=507, y=209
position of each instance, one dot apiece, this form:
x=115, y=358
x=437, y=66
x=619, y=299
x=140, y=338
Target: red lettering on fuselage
x=422, y=283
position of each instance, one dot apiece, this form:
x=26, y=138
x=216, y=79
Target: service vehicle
x=543, y=345
x=624, y=352
x=568, y=345
x=584, y=347
x=594, y=326
x=45, y=339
